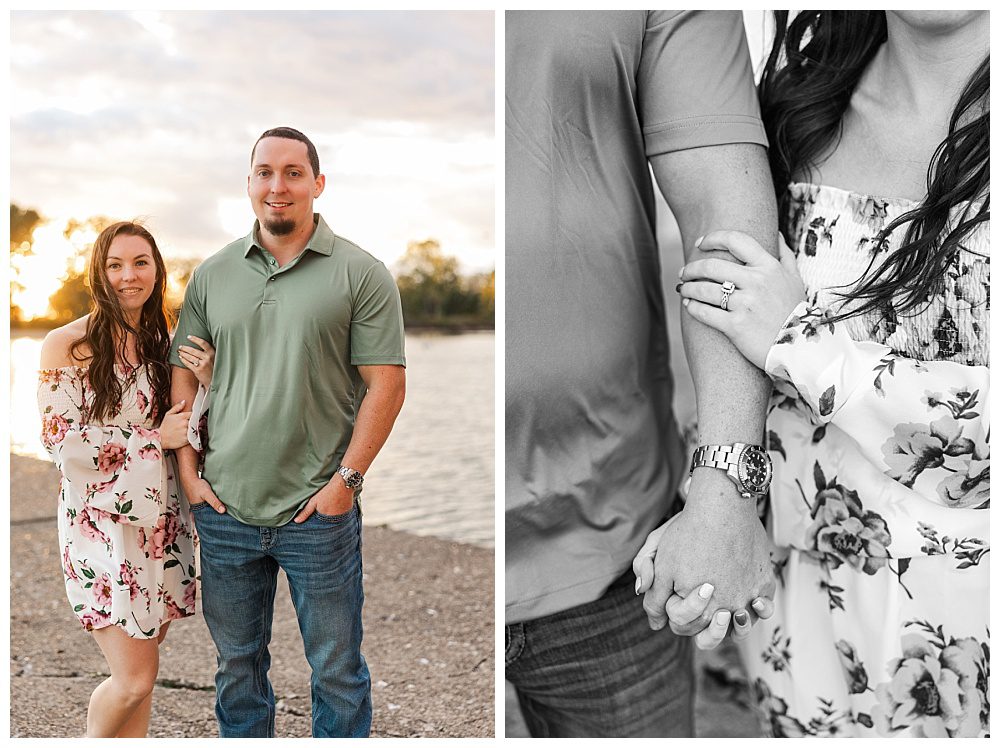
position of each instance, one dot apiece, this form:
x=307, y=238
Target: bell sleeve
x=115, y=471
x=925, y=424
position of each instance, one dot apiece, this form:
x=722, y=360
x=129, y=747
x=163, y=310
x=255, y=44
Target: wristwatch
x=747, y=465
x=352, y=478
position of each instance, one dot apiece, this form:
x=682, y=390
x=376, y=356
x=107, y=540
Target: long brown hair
x=816, y=62
x=108, y=326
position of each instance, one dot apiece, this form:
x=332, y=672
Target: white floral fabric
x=879, y=505
x=127, y=540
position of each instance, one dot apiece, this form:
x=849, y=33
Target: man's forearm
x=726, y=187
x=376, y=416
x=184, y=386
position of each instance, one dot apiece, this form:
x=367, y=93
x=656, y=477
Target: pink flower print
x=149, y=452
x=92, y=619
x=50, y=376
x=159, y=538
x=54, y=429
x=110, y=458
x=88, y=528
x=141, y=401
x=96, y=488
x=173, y=610
x=68, y=569
x=171, y=527
x=127, y=579
x=102, y=591
x=99, y=514
x=189, y=594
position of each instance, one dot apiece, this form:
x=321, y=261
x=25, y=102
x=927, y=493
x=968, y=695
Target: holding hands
x=747, y=303
x=699, y=609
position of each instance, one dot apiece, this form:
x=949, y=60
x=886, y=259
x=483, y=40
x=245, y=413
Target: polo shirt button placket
x=269, y=288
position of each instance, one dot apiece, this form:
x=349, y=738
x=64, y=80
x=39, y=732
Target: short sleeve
x=377, y=320
x=192, y=321
x=695, y=82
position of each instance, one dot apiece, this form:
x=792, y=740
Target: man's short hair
x=291, y=134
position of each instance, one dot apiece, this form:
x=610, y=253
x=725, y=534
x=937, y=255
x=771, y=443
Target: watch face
x=352, y=478
x=754, y=469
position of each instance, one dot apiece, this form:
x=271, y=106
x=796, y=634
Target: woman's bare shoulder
x=57, y=346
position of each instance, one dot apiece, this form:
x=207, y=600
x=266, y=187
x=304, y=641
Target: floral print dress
x=879, y=505
x=126, y=535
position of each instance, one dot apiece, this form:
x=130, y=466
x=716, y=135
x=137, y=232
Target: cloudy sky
x=153, y=114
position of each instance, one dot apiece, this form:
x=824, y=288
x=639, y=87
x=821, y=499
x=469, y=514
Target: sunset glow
x=401, y=112
x=41, y=273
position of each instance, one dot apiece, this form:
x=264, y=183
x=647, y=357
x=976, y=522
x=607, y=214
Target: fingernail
x=705, y=591
x=638, y=584
x=697, y=242
x=190, y=337
x=757, y=604
x=680, y=273
x=722, y=617
x=742, y=618
x=686, y=302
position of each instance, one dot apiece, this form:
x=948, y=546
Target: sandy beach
x=428, y=638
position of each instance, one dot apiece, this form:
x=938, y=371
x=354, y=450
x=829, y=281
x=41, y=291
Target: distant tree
x=487, y=293
x=23, y=223
x=179, y=272
x=72, y=300
x=427, y=280
x=434, y=293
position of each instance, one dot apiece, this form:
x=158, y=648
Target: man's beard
x=280, y=226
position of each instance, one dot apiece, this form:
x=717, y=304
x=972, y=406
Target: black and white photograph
x=746, y=363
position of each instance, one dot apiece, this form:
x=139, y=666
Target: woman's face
x=131, y=271
x=936, y=21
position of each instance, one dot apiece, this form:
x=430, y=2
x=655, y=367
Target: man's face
x=282, y=186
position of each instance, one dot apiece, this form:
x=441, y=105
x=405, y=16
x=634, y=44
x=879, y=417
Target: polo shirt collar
x=321, y=241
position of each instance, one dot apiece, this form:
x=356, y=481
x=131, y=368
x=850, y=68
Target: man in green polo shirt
x=308, y=381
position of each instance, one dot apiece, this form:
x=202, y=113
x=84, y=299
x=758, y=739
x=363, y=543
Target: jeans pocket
x=514, y=642
x=337, y=519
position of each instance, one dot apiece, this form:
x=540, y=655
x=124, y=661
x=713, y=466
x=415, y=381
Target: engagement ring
x=727, y=289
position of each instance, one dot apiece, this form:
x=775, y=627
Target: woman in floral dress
x=126, y=536
x=874, y=328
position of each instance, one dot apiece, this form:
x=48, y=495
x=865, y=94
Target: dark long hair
x=814, y=66
x=107, y=327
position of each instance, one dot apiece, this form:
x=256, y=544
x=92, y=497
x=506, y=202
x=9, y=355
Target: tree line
x=433, y=291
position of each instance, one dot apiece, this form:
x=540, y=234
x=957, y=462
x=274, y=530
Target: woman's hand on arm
x=766, y=291
x=200, y=360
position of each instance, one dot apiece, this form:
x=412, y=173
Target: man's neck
x=287, y=247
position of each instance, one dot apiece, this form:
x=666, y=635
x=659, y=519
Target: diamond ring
x=727, y=289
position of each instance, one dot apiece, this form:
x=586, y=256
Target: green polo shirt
x=286, y=389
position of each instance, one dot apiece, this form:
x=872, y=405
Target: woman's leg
x=133, y=664
x=137, y=726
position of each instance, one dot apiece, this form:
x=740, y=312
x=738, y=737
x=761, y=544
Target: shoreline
x=429, y=639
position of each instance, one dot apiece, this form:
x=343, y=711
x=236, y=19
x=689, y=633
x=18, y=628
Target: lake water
x=434, y=476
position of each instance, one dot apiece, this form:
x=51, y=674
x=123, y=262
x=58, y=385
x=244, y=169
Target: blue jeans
x=598, y=671
x=239, y=570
